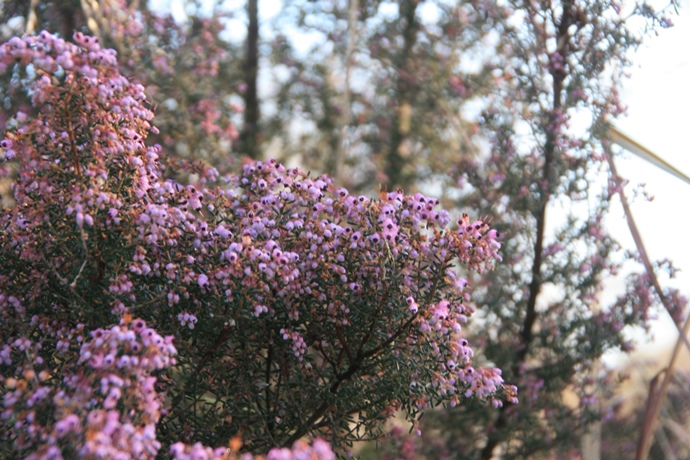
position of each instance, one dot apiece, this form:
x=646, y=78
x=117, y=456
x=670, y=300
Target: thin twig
x=73, y=284
x=32, y=18
x=655, y=398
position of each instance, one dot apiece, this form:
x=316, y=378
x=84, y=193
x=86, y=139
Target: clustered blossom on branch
x=319, y=450
x=188, y=69
x=107, y=405
x=295, y=308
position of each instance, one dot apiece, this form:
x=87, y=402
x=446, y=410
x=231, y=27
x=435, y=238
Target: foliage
x=141, y=314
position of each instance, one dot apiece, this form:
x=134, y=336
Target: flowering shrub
x=271, y=309
x=104, y=406
x=189, y=70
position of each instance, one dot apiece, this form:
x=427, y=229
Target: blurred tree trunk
x=250, y=141
x=550, y=150
x=591, y=442
x=395, y=158
x=334, y=162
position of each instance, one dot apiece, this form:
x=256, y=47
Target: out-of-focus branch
x=641, y=151
x=678, y=430
x=655, y=398
x=406, y=90
x=640, y=247
x=32, y=18
x=94, y=18
x=250, y=138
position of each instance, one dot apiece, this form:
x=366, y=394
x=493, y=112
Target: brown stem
x=343, y=341
x=269, y=358
x=318, y=413
x=355, y=366
x=70, y=131
x=369, y=333
x=376, y=350
x=317, y=346
x=403, y=328
x=304, y=429
x=655, y=399
x=641, y=249
x=222, y=337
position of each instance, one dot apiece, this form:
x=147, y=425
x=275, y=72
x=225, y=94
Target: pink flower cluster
x=319, y=450
x=104, y=405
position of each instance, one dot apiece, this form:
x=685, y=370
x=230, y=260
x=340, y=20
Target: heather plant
x=189, y=71
x=143, y=316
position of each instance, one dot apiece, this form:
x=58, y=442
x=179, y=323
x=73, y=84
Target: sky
x=658, y=99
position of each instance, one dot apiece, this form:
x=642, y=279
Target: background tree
x=250, y=136
x=564, y=61
x=555, y=62
x=406, y=75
